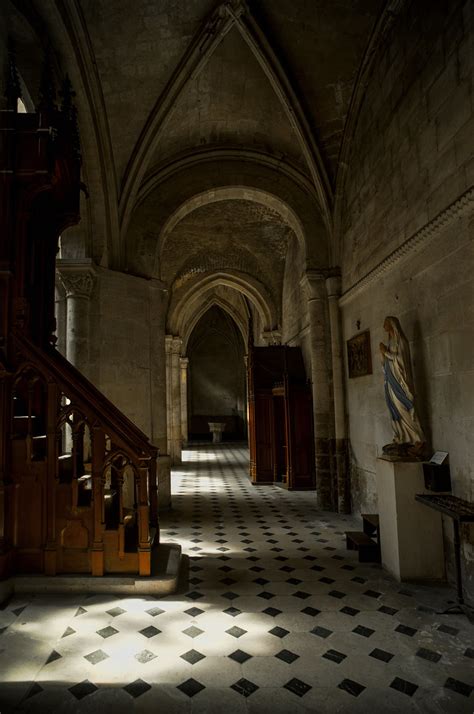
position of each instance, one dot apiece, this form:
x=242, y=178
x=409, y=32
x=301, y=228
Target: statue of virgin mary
x=408, y=437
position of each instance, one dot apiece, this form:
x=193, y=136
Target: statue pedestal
x=411, y=535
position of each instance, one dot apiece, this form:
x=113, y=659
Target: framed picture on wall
x=359, y=358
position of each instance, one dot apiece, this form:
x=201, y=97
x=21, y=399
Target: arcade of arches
x=268, y=173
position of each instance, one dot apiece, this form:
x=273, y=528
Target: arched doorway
x=216, y=377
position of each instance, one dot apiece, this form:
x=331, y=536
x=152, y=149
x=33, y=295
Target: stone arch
x=187, y=300
x=200, y=310
x=168, y=190
x=226, y=193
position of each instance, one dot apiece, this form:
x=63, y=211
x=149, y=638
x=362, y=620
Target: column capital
x=271, y=337
x=314, y=281
x=77, y=278
x=173, y=344
x=184, y=361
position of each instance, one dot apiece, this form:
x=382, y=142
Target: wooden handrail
x=123, y=432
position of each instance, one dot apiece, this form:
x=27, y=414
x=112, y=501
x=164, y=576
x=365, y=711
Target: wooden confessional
x=77, y=478
x=281, y=437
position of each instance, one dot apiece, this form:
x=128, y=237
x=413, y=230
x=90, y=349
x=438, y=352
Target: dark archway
x=217, y=378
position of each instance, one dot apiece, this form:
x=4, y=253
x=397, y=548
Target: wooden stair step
x=370, y=524
x=354, y=539
x=369, y=551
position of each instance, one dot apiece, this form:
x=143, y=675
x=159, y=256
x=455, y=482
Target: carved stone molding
x=78, y=279
x=415, y=243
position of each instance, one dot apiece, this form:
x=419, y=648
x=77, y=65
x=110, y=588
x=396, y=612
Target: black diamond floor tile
x=351, y=687
x=381, y=655
x=403, y=686
x=35, y=689
x=83, y=689
x=335, y=656
x=155, y=611
x=460, y=687
x=192, y=656
x=287, y=656
x=272, y=611
x=311, y=611
x=53, y=657
x=428, y=655
x=279, y=632
x=240, y=656
x=448, y=630
x=388, y=610
x=244, y=687
x=96, y=657
x=106, y=632
x=137, y=688
x=363, y=631
x=321, y=632
x=349, y=611
x=191, y=687
x=115, y=611
x=150, y=631
x=232, y=611
x=405, y=630
x=296, y=686
x=236, y=631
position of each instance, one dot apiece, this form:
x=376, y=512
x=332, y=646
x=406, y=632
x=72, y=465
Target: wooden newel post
x=4, y=434
x=153, y=487
x=50, y=553
x=98, y=478
x=144, y=545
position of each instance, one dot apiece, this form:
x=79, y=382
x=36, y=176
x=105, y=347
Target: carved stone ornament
x=77, y=283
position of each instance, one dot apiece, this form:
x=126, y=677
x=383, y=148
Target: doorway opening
x=217, y=383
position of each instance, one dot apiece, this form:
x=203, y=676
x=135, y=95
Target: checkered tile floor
x=275, y=616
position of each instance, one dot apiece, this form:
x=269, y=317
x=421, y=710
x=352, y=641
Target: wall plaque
x=359, y=358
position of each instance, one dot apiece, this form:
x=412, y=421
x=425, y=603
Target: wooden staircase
x=367, y=541
x=82, y=489
x=77, y=478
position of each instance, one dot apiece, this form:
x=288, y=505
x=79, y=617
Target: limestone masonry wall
x=412, y=157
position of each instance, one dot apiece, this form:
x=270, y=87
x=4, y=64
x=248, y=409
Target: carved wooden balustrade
x=81, y=494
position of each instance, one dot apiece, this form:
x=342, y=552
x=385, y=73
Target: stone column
x=184, y=364
x=78, y=280
x=333, y=287
x=173, y=352
x=158, y=394
x=314, y=283
x=60, y=313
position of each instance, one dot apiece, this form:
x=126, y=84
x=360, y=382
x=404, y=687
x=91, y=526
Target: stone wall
x=406, y=252
x=295, y=320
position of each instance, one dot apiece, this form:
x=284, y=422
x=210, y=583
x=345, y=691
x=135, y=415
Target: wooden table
x=460, y=511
